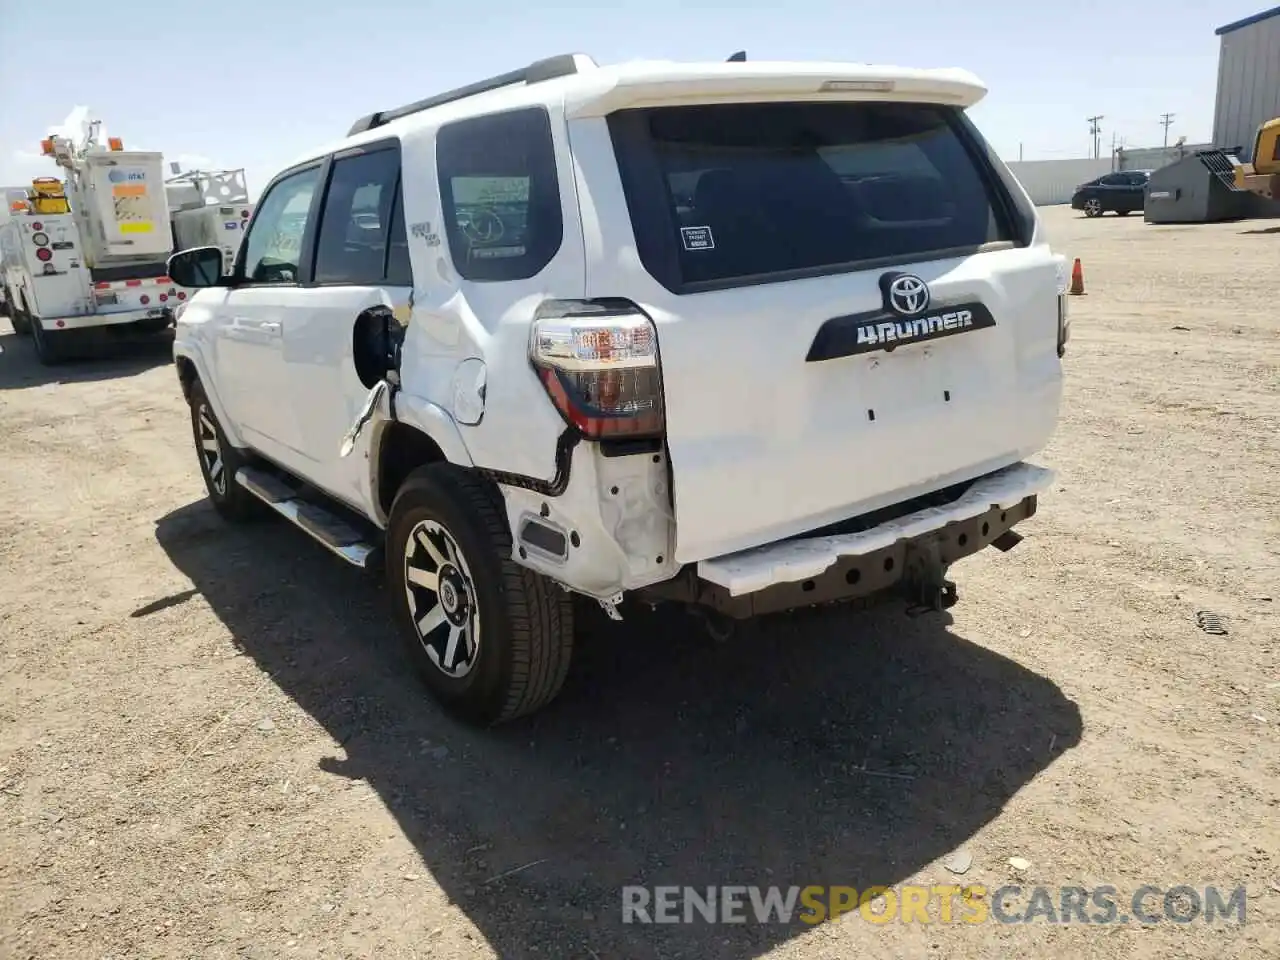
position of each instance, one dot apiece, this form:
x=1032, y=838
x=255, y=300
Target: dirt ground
x=210, y=745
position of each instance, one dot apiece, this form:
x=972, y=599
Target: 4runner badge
x=907, y=316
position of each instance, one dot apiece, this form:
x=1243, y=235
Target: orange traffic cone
x=1077, y=279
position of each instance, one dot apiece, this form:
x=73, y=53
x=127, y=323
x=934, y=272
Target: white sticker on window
x=697, y=238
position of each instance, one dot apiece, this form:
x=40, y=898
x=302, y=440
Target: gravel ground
x=210, y=745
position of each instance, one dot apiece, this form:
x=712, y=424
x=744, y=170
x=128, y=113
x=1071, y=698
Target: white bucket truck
x=89, y=251
x=209, y=208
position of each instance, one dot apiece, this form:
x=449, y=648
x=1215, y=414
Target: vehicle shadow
x=102, y=358
x=832, y=748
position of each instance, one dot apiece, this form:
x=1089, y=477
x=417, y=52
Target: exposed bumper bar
x=793, y=560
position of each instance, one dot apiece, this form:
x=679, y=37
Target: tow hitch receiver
x=924, y=582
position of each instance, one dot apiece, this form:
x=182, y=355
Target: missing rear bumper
x=913, y=569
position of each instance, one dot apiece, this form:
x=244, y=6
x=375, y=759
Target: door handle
x=271, y=326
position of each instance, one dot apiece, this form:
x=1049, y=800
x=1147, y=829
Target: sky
x=255, y=84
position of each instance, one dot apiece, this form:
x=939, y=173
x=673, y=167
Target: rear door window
x=356, y=224
x=726, y=194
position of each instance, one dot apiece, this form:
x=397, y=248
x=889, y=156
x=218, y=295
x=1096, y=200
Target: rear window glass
x=498, y=183
x=728, y=193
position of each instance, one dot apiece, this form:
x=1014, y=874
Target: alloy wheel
x=211, y=450
x=442, y=599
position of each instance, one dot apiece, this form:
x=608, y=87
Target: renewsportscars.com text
x=972, y=904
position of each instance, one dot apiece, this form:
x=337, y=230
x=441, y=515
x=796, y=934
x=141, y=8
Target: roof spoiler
x=563, y=65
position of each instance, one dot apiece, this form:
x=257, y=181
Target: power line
x=1093, y=129
x=1166, y=119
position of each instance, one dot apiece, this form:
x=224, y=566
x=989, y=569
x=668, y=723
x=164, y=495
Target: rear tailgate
x=849, y=310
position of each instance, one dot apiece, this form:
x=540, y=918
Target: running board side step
x=320, y=524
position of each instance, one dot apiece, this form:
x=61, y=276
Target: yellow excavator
x=1262, y=176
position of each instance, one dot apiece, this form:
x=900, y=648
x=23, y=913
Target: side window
x=356, y=222
x=500, y=194
x=273, y=248
x=1114, y=180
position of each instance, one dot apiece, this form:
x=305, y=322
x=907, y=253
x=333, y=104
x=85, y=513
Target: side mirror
x=197, y=267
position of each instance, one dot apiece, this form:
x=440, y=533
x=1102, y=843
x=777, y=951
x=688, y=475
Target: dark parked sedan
x=1121, y=193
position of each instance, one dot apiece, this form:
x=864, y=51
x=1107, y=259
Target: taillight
x=1064, y=325
x=1064, y=320
x=37, y=226
x=44, y=253
x=599, y=363
x=40, y=239
x=144, y=299
x=181, y=295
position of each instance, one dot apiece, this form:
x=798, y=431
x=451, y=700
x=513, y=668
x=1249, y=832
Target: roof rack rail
x=563, y=65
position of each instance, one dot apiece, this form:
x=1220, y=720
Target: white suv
x=744, y=336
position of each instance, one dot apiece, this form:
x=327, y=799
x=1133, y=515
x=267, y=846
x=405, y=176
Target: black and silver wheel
x=1093, y=207
x=491, y=639
x=219, y=461
x=442, y=599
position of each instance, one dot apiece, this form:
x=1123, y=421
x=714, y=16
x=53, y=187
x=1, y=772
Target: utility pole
x=1166, y=119
x=1093, y=129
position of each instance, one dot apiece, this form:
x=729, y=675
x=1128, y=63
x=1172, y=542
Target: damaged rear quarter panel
x=620, y=511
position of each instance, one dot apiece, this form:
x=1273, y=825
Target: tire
x=50, y=345
x=501, y=639
x=219, y=462
x=20, y=319
x=1093, y=207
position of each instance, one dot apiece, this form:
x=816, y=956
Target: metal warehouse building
x=1248, y=79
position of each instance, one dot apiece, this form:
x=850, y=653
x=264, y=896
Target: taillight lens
x=44, y=253
x=599, y=363
x=1064, y=319
x=144, y=299
x=1064, y=325
x=40, y=239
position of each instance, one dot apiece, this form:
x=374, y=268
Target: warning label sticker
x=697, y=238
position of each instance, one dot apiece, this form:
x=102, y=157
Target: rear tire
x=491, y=639
x=50, y=344
x=219, y=462
x=19, y=318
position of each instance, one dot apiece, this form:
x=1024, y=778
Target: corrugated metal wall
x=1153, y=158
x=1248, y=83
x=1053, y=181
